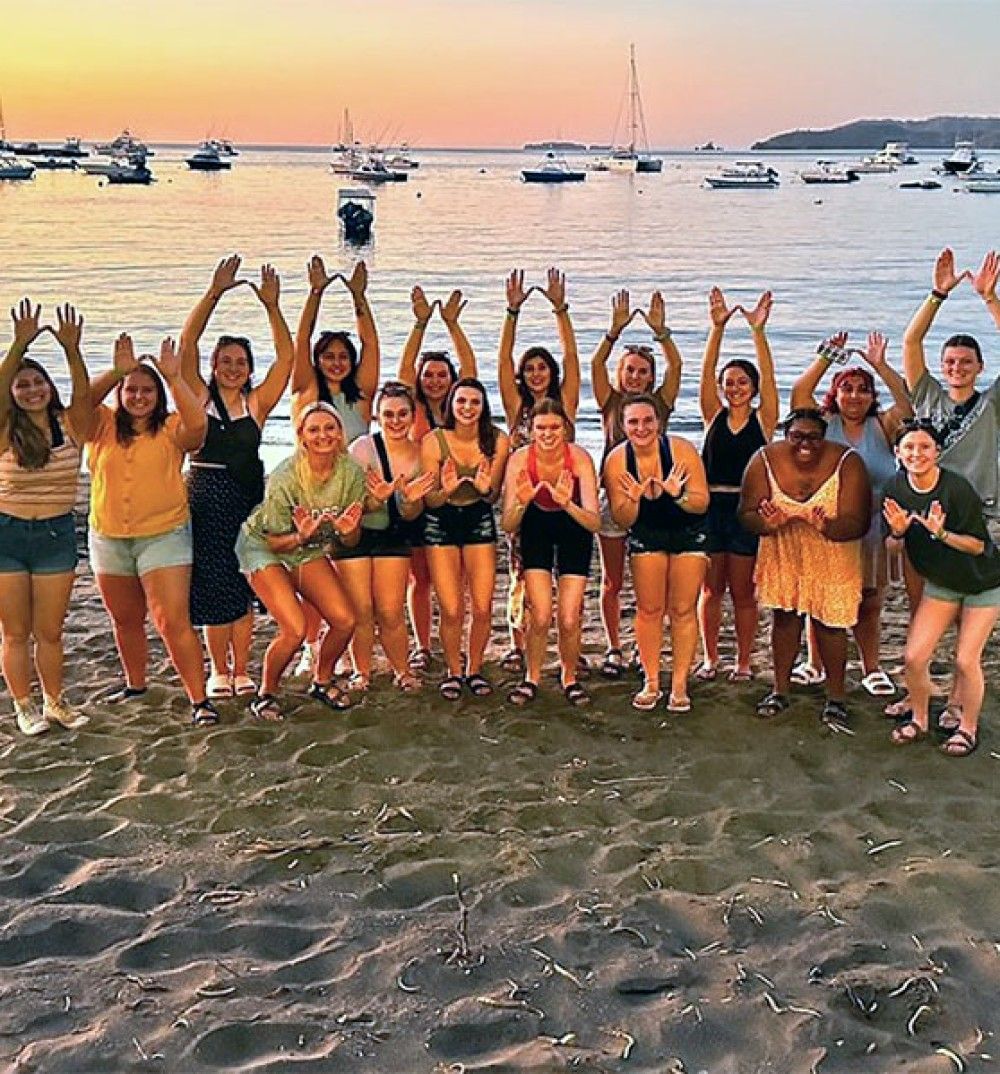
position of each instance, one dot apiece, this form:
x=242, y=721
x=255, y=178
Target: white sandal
x=218, y=686
x=878, y=684
x=646, y=699
x=805, y=674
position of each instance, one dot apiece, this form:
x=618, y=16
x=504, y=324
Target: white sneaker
x=57, y=711
x=30, y=720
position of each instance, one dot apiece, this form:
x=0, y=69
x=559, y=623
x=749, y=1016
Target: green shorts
x=989, y=598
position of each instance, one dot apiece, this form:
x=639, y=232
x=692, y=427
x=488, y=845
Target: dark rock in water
x=645, y=986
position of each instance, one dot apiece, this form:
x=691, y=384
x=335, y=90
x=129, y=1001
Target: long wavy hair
x=31, y=448
x=553, y=391
x=349, y=385
x=486, y=431
x=829, y=404
x=125, y=430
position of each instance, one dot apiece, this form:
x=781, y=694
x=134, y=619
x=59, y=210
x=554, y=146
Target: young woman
x=312, y=507
x=140, y=525
x=375, y=572
x=467, y=458
x=940, y=517
x=550, y=499
x=635, y=374
x=39, y=472
x=810, y=503
x=659, y=494
x=734, y=431
x=430, y=374
x=226, y=478
x=536, y=377
x=856, y=420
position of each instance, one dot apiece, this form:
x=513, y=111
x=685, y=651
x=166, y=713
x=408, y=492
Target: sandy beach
x=417, y=886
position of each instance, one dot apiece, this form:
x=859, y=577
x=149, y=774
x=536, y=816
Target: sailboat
x=626, y=158
x=347, y=155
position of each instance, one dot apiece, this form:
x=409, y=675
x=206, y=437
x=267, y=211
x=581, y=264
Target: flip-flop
x=960, y=744
x=740, y=676
x=906, y=733
x=646, y=700
x=773, y=704
x=804, y=674
x=878, y=684
x=706, y=673
x=678, y=704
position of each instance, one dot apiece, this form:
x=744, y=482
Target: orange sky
x=479, y=72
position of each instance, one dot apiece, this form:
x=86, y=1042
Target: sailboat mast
x=633, y=100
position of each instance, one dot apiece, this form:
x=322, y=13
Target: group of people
x=390, y=503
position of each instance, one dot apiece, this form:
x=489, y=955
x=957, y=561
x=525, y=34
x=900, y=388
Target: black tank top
x=235, y=444
x=663, y=512
x=727, y=454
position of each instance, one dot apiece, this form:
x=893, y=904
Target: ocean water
x=857, y=257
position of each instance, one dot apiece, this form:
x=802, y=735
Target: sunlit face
x=30, y=390
x=642, y=426
x=635, y=374
x=335, y=361
x=537, y=376
x=854, y=397
x=806, y=440
x=139, y=394
x=231, y=367
x=548, y=431
x=960, y=366
x=917, y=452
x=435, y=380
x=395, y=416
x=737, y=387
x=321, y=434
x=467, y=405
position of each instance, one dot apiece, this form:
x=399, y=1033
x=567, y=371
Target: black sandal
x=331, y=695
x=451, y=688
x=265, y=707
x=513, y=661
x=834, y=714
x=576, y=695
x=613, y=665
x=959, y=744
x=204, y=714
x=478, y=685
x=772, y=705
x=523, y=694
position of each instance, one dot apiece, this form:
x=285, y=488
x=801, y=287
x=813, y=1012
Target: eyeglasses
x=797, y=437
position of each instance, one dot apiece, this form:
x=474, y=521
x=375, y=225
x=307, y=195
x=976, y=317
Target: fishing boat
x=54, y=164
x=553, y=169
x=983, y=182
x=69, y=149
x=874, y=164
x=129, y=172
x=898, y=153
x=206, y=158
x=626, y=158
x=920, y=184
x=961, y=159
x=125, y=145
x=374, y=169
x=829, y=171
x=12, y=168
x=744, y=175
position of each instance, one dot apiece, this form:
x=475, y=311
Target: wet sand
x=418, y=886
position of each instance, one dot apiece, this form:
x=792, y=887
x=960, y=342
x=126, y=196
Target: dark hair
x=962, y=340
x=545, y=407
x=233, y=341
x=829, y=404
x=432, y=356
x=804, y=413
x=349, y=385
x=486, y=432
x=645, y=399
x=919, y=425
x=27, y=441
x=395, y=389
x=745, y=367
x=125, y=431
x=552, y=391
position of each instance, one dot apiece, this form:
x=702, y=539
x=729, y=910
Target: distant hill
x=939, y=132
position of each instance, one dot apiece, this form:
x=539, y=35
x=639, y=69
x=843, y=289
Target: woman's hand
x=555, y=288
x=347, y=521
x=319, y=281
x=269, y=290
x=224, y=277
x=306, y=523
x=874, y=353
x=168, y=363
x=516, y=294
x=69, y=328
x=772, y=516
x=934, y=521
x=377, y=486
x=26, y=326
x=673, y=484
x=449, y=478
x=621, y=313
x=985, y=280
x=417, y=488
x=525, y=490
x=757, y=317
x=357, y=282
x=562, y=490
x=124, y=359
x=656, y=315
x=451, y=309
x=896, y=518
x=817, y=517
x=422, y=309
x=482, y=482
x=630, y=488
x=718, y=312
x=945, y=277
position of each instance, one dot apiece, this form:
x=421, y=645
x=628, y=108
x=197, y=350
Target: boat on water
x=374, y=169
x=125, y=145
x=206, y=158
x=626, y=158
x=69, y=149
x=874, y=164
x=920, y=184
x=54, y=164
x=553, y=169
x=400, y=160
x=744, y=175
x=829, y=171
x=898, y=153
x=129, y=172
x=961, y=159
x=12, y=168
x=224, y=147
x=981, y=181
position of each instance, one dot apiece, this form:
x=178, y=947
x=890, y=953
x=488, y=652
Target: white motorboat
x=115, y=164
x=400, y=160
x=626, y=158
x=374, y=169
x=874, y=164
x=898, y=153
x=982, y=181
x=12, y=168
x=962, y=158
x=744, y=175
x=129, y=171
x=553, y=169
x=125, y=145
x=829, y=171
x=206, y=158
x=224, y=147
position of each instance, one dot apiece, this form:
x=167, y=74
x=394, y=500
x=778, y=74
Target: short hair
x=919, y=425
x=962, y=340
x=804, y=413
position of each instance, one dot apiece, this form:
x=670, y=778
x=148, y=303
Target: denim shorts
x=136, y=556
x=457, y=526
x=725, y=532
x=989, y=598
x=37, y=546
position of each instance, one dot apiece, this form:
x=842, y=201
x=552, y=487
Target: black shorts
x=675, y=541
x=451, y=526
x=725, y=533
x=375, y=544
x=552, y=541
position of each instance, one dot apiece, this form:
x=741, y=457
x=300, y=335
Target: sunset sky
x=485, y=72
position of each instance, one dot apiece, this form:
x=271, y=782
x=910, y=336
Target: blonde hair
x=303, y=471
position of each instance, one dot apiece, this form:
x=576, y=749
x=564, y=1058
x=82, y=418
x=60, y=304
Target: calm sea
x=856, y=257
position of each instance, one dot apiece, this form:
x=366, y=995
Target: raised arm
x=985, y=283
x=194, y=421
x=770, y=406
x=26, y=330
x=656, y=318
x=371, y=355
x=555, y=292
x=506, y=378
x=123, y=363
x=451, y=310
x=945, y=281
x=303, y=374
x=901, y=409
x=708, y=392
x=804, y=388
x=223, y=280
x=422, y=312
x=266, y=396
x=621, y=314
x=82, y=410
